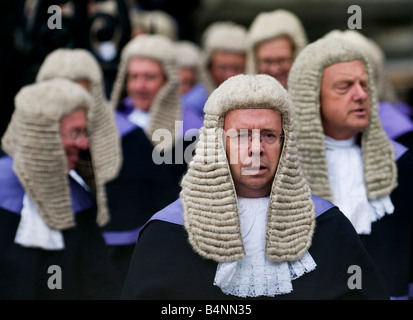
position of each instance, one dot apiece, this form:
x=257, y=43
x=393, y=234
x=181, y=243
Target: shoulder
x=171, y=214
x=404, y=160
x=400, y=150
x=321, y=205
x=123, y=124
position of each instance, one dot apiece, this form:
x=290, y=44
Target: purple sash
x=395, y=123
x=12, y=192
x=123, y=124
x=399, y=149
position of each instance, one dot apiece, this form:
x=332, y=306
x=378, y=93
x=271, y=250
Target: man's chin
x=71, y=163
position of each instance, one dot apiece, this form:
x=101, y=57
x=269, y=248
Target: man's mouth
x=254, y=170
x=360, y=111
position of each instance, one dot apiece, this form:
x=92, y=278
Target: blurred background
x=104, y=27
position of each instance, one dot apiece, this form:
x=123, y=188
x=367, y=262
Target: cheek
x=232, y=154
x=155, y=87
x=130, y=87
x=274, y=158
x=66, y=144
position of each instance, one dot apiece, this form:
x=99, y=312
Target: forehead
x=275, y=46
x=342, y=70
x=223, y=56
x=76, y=118
x=138, y=64
x=253, y=119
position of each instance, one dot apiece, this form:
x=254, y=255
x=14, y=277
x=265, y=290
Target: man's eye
x=243, y=135
x=343, y=86
x=268, y=135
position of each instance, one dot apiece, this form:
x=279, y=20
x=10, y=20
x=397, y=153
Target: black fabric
x=140, y=190
x=406, y=139
x=142, y=187
x=181, y=156
x=164, y=266
x=86, y=269
x=390, y=241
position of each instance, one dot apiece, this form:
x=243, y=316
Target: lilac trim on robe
x=404, y=108
x=11, y=197
x=173, y=213
x=399, y=149
x=123, y=124
x=321, y=205
x=191, y=120
x=195, y=99
x=394, y=122
x=116, y=238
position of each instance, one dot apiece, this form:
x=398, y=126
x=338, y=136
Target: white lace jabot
x=345, y=171
x=255, y=275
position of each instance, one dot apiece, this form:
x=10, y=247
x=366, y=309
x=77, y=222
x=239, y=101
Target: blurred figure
x=347, y=157
x=193, y=92
x=146, y=102
x=274, y=40
x=52, y=199
x=396, y=123
x=188, y=56
x=153, y=22
x=80, y=66
x=224, y=52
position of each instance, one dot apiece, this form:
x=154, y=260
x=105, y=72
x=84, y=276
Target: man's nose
x=82, y=142
x=256, y=145
x=360, y=92
x=139, y=83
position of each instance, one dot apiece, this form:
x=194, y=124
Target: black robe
x=390, y=242
x=164, y=265
x=141, y=188
x=86, y=269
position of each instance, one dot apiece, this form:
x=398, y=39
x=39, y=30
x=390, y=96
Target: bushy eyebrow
x=348, y=80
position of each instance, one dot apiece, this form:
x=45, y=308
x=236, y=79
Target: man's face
x=73, y=133
x=253, y=165
x=226, y=64
x=344, y=100
x=145, y=78
x=275, y=58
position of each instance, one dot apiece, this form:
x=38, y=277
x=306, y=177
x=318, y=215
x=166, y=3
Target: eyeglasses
x=282, y=62
x=75, y=135
x=244, y=137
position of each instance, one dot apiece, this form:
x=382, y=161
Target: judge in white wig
x=274, y=39
x=224, y=50
x=165, y=108
x=52, y=197
x=80, y=66
x=346, y=155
